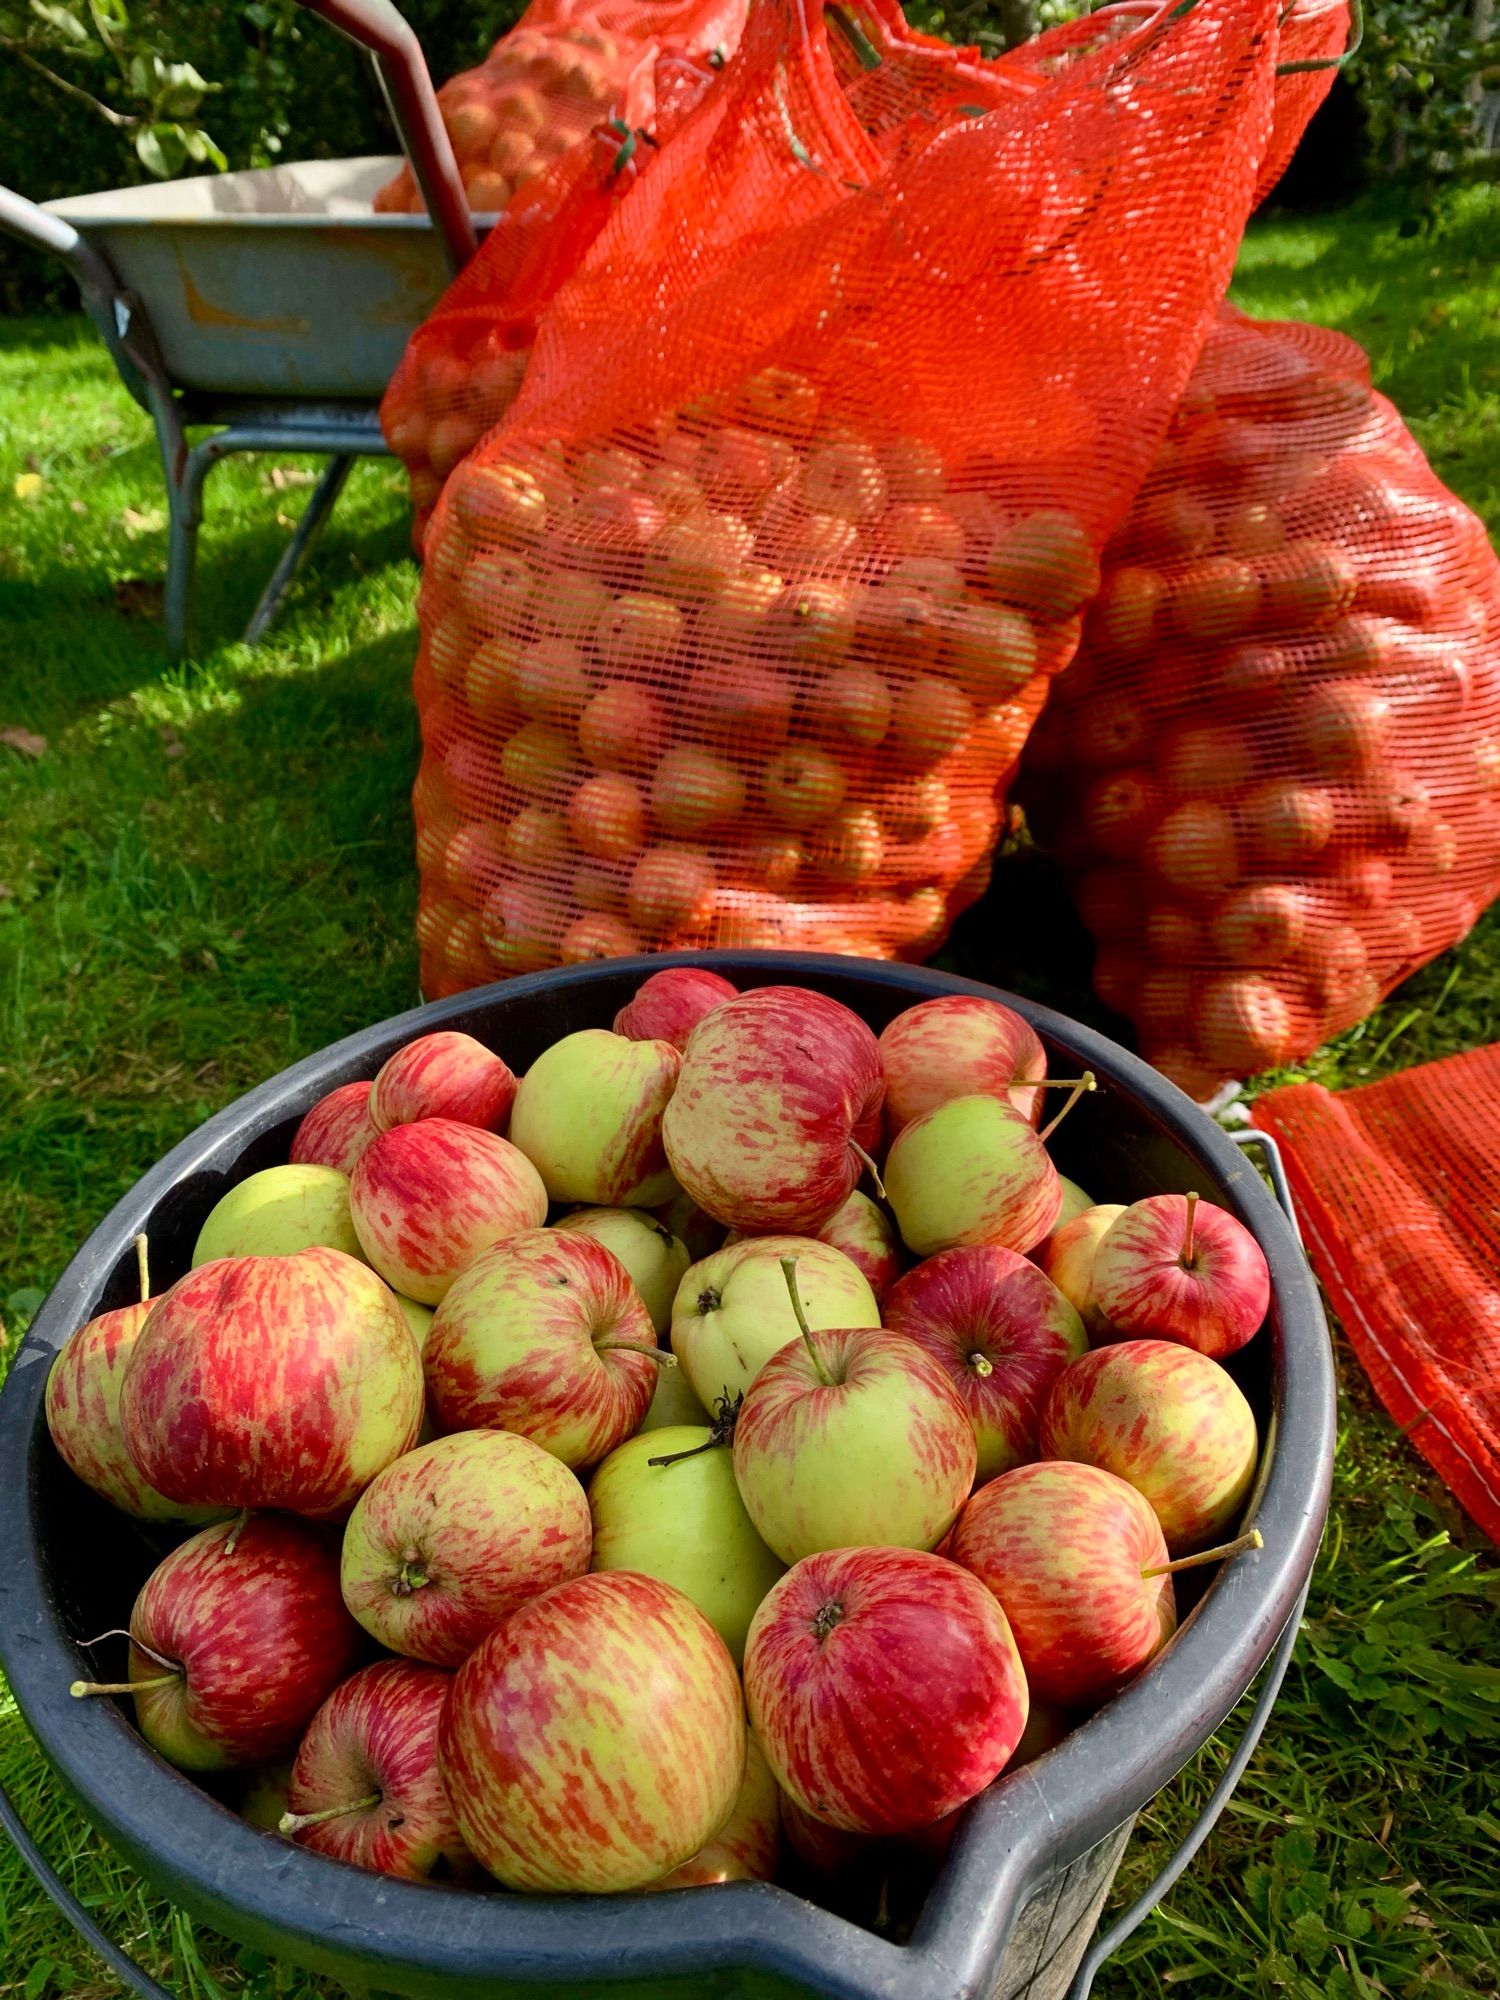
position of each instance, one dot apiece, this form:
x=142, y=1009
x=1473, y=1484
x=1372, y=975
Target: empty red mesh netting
x=1398, y=1189
x=464, y=366
x=1273, y=773
x=548, y=82
x=734, y=631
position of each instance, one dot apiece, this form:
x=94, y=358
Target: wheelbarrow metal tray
x=1013, y=1908
x=280, y=281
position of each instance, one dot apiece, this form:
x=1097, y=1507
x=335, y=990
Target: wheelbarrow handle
x=122, y=325
x=402, y=68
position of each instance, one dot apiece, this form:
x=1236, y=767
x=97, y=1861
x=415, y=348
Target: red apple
x=1171, y=1422
x=237, y=1636
x=83, y=1415
x=761, y=1129
x=1064, y=1549
x=365, y=1787
x=885, y=1687
x=669, y=1005
x=1001, y=1332
x=1067, y=1256
x=864, y=1233
x=427, y=1198
x=1173, y=1267
x=444, y=1075
x=851, y=1437
x=544, y=1335
x=272, y=1382
x=336, y=1131
x=596, y=1739
x=746, y=1847
x=449, y=1539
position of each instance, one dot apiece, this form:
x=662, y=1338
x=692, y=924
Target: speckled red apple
x=1067, y=1256
x=337, y=1129
x=670, y=1004
x=959, y=1045
x=443, y=1075
x=747, y=1846
x=1173, y=1267
x=427, y=1198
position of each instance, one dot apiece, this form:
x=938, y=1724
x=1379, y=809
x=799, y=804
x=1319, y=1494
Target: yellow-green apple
x=1173, y=1267
x=1067, y=1256
x=596, y=1739
x=665, y=1503
x=272, y=1382
x=851, y=1436
x=884, y=1686
x=733, y=1312
x=655, y=1261
x=418, y=1318
x=669, y=1005
x=427, y=1198
x=748, y=1845
x=449, y=1539
x=365, y=1787
x=1170, y=1421
x=444, y=1075
x=278, y=1211
x=588, y=1116
x=336, y=1131
x=957, y=1046
x=673, y=1403
x=1075, y=1559
x=83, y=1415
x=545, y=1335
x=775, y=1085
x=1002, y=1333
x=972, y=1171
x=236, y=1638
x=1075, y=1200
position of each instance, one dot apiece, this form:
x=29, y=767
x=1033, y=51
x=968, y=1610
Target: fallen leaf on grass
x=26, y=741
x=283, y=476
x=143, y=520
x=139, y=596
x=28, y=485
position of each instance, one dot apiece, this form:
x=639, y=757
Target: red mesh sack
x=464, y=366
x=1272, y=772
x=734, y=631
x=548, y=82
x=1398, y=1188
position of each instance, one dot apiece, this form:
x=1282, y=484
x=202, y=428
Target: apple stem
x=1187, y=1234
x=143, y=1266
x=81, y=1688
x=870, y=1167
x=1251, y=1539
x=789, y=1272
x=1088, y=1081
x=291, y=1822
x=241, y=1521
x=720, y=1431
x=981, y=1364
x=657, y=1354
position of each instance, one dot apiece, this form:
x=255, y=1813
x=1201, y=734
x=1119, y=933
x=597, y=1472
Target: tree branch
x=120, y=119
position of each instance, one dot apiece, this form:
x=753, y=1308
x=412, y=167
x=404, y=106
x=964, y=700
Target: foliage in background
x=1431, y=72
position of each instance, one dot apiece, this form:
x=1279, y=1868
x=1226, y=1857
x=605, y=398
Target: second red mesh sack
x=1273, y=772
x=733, y=633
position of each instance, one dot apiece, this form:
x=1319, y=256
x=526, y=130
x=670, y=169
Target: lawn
x=205, y=872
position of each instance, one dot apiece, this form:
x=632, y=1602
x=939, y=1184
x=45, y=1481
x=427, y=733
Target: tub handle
x=134, y=1978
x=1249, y=1138
x=1109, y=1942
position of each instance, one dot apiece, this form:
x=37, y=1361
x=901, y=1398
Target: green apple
x=418, y=1318
x=1075, y=1200
x=685, y=1524
x=673, y=1403
x=972, y=1171
x=653, y=1257
x=277, y=1212
x=588, y=1117
x=732, y=1311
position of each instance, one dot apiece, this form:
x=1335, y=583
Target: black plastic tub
x=1012, y=1910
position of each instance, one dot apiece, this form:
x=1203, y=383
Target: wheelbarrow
x=269, y=306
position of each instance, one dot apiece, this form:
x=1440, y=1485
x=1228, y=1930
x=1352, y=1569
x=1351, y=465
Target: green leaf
x=180, y=89
x=66, y=22
x=161, y=149
x=1354, y=1919
x=1309, y=1935
x=112, y=15
x=22, y=1304
x=1385, y=1901
x=38, y=1979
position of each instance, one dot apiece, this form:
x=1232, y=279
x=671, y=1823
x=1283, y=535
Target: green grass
x=207, y=873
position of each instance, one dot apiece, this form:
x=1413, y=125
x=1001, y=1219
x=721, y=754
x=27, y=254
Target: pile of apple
x=597, y=1482
x=751, y=680
x=533, y=98
x=1273, y=770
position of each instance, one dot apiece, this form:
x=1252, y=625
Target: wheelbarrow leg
x=294, y=556
x=186, y=474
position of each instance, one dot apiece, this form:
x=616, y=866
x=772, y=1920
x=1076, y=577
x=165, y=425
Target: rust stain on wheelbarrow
x=203, y=312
